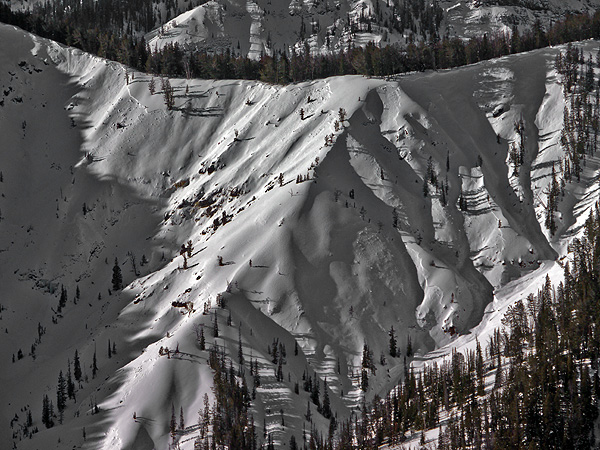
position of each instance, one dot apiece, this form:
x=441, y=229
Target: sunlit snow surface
x=329, y=271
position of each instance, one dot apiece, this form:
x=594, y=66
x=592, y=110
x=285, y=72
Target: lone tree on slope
x=117, y=278
x=393, y=343
x=168, y=93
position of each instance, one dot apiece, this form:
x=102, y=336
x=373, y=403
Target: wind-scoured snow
x=318, y=263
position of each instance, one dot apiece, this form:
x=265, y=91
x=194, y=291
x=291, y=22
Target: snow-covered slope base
x=305, y=206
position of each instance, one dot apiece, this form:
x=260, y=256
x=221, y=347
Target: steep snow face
x=314, y=218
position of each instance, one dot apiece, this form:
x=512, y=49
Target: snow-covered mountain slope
x=95, y=169
x=264, y=26
x=473, y=18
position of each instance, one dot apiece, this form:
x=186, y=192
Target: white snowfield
x=94, y=169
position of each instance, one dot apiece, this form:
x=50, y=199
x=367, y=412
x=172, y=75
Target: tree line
x=107, y=39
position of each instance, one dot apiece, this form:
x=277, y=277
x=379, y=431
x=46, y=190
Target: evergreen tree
x=367, y=358
x=117, y=278
x=589, y=76
x=409, y=349
x=46, y=414
x=314, y=395
x=552, y=206
x=202, y=340
x=168, y=93
x=479, y=370
x=61, y=399
x=94, y=365
x=173, y=423
x=76, y=367
x=326, y=408
x=364, y=380
x=62, y=302
x=70, y=384
x=393, y=342
x=240, y=348
x=499, y=379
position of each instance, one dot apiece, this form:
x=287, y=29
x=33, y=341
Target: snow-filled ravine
x=309, y=225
